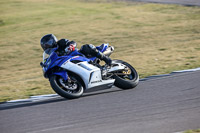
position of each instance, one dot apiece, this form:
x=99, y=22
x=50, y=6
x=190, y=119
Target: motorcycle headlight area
x=47, y=63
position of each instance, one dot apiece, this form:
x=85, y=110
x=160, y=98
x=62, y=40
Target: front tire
x=75, y=91
x=126, y=81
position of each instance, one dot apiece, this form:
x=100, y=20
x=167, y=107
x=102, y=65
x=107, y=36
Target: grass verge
x=193, y=131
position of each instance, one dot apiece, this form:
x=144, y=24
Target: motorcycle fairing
x=90, y=74
x=55, y=60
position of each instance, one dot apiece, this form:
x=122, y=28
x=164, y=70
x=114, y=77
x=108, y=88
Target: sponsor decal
x=93, y=82
x=74, y=57
x=65, y=62
x=70, y=59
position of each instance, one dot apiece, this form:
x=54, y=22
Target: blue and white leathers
x=76, y=63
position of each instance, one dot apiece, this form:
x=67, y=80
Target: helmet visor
x=48, y=44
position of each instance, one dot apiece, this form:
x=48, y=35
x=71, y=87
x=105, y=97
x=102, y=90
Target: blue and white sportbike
x=70, y=76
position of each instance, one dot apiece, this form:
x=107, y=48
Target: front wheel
x=68, y=89
x=127, y=78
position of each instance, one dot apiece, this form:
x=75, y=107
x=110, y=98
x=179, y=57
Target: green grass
x=154, y=38
x=193, y=131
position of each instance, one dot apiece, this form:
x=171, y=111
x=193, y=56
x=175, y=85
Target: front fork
x=63, y=74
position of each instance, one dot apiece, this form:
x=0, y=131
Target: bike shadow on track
x=7, y=105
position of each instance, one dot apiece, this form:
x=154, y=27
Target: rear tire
x=122, y=82
x=62, y=90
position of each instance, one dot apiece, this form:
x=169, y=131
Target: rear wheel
x=127, y=78
x=69, y=89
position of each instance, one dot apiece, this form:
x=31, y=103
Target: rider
x=65, y=47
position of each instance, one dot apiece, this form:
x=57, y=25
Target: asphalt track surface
x=179, y=2
x=161, y=105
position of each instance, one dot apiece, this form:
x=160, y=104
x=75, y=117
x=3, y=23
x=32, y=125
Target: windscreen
x=47, y=53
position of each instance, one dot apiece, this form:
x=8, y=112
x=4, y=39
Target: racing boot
x=90, y=49
x=105, y=58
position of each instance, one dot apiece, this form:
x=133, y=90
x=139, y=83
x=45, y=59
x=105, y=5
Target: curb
x=50, y=96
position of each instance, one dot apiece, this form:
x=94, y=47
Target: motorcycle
x=70, y=76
